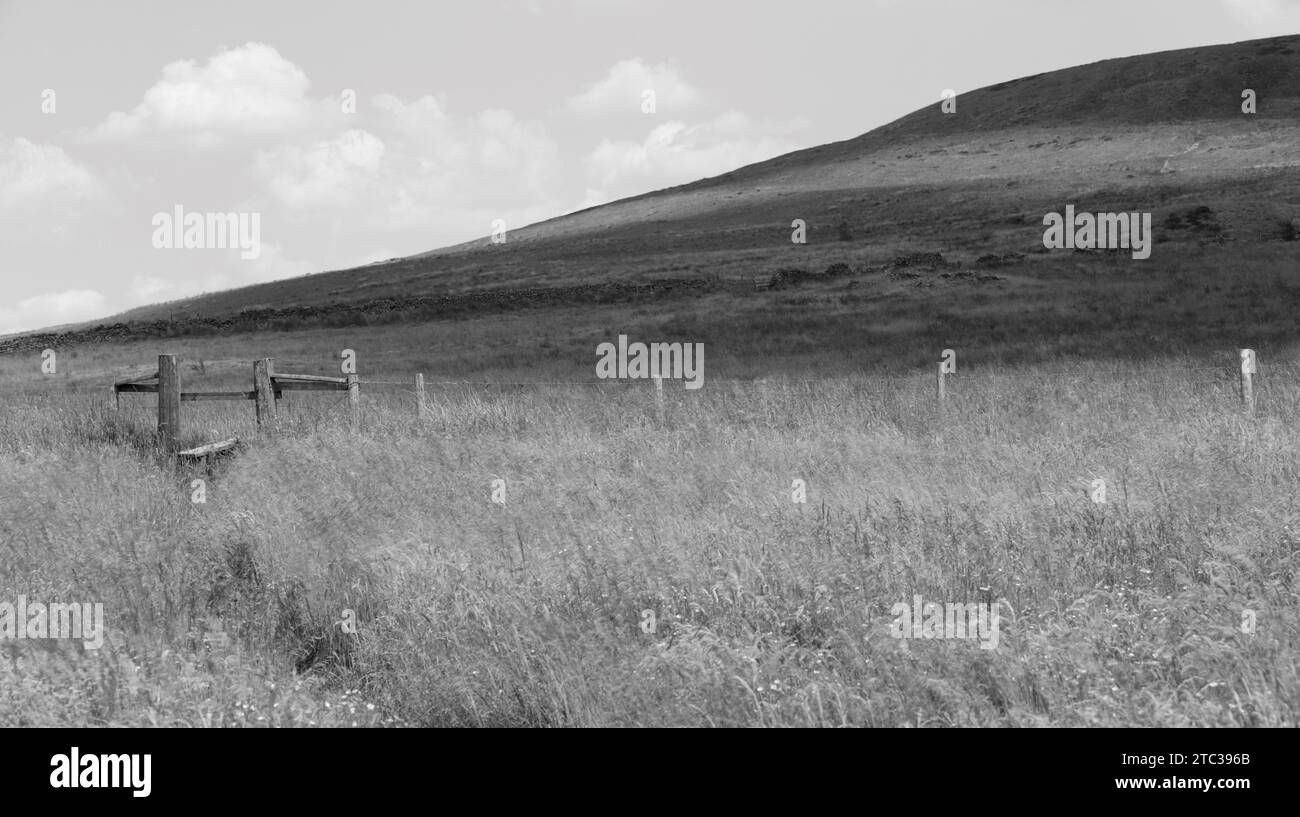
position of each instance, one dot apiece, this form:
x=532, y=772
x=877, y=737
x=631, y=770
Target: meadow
x=542, y=549
x=766, y=611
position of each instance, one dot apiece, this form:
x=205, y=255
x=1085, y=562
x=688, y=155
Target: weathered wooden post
x=354, y=396
x=1247, y=386
x=419, y=396
x=264, y=392
x=169, y=402
x=659, y=399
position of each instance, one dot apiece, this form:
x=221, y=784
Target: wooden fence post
x=354, y=396
x=1247, y=386
x=419, y=396
x=659, y=399
x=264, y=392
x=169, y=402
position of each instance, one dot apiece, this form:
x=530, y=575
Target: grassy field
x=767, y=612
x=536, y=610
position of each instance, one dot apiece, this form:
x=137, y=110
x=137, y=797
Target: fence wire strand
x=1262, y=378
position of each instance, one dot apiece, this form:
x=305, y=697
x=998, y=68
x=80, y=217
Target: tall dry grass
x=767, y=612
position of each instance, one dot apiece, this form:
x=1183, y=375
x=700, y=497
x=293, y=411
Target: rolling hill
x=1163, y=133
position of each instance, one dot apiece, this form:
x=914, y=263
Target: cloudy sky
x=361, y=131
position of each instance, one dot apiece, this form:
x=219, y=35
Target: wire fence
x=1269, y=379
x=57, y=387
x=910, y=401
x=1037, y=374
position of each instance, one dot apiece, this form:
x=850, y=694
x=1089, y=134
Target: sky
x=343, y=133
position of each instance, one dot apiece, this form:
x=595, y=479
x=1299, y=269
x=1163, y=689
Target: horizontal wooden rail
x=268, y=388
x=140, y=379
x=309, y=385
x=192, y=396
x=308, y=378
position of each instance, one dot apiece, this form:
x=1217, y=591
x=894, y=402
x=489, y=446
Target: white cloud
x=511, y=149
x=420, y=119
x=620, y=92
x=331, y=173
x=450, y=174
x=674, y=153
x=250, y=89
x=52, y=309
x=32, y=174
x=150, y=288
x=432, y=171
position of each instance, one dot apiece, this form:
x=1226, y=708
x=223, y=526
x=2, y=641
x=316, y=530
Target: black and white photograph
x=646, y=364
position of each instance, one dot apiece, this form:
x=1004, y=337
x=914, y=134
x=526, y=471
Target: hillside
x=1162, y=133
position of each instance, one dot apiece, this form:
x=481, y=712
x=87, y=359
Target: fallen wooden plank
x=146, y=388
x=210, y=448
